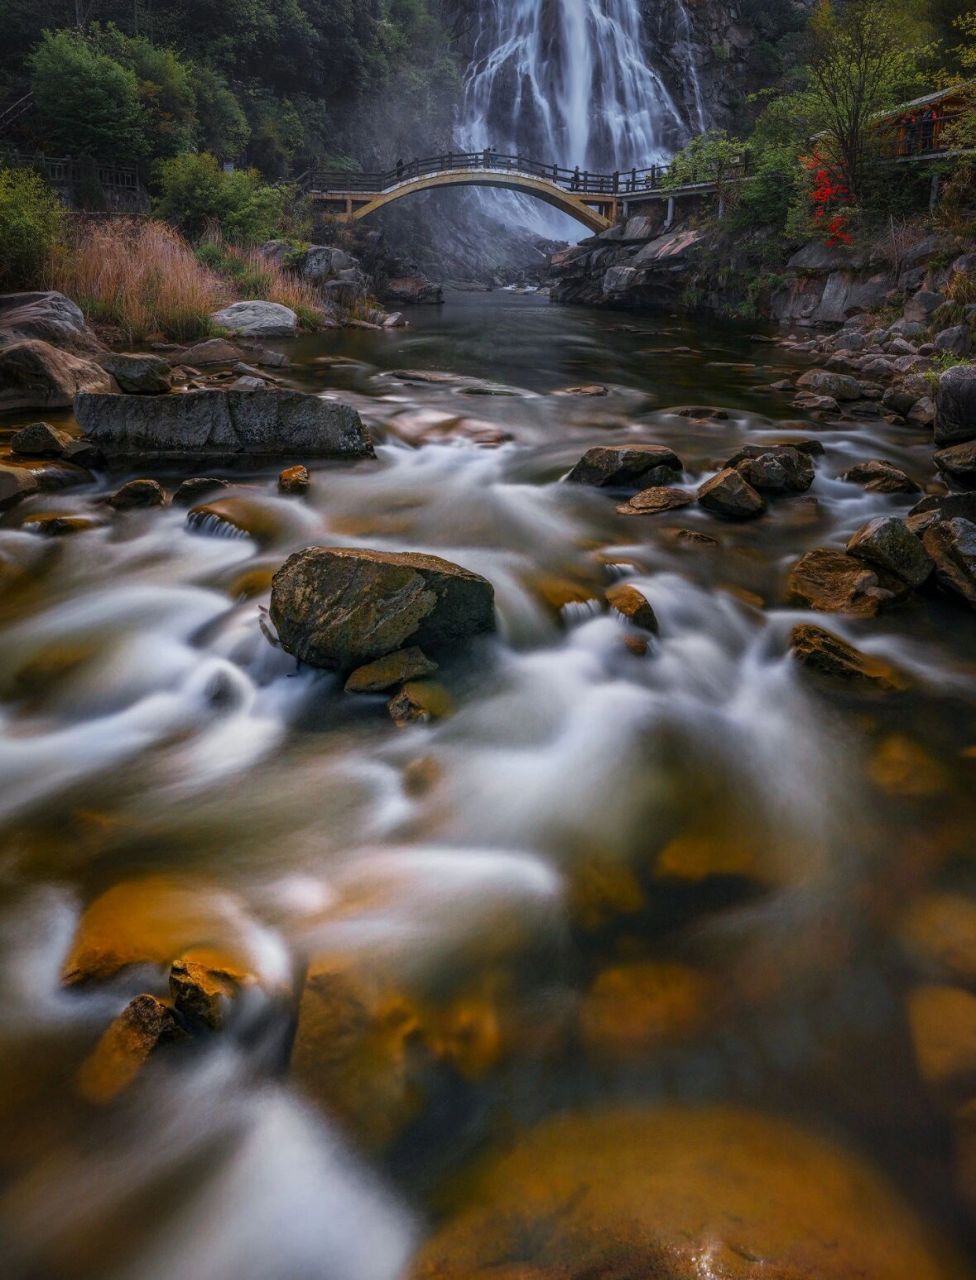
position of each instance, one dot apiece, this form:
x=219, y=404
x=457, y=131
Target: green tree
x=31, y=226
x=864, y=56
x=88, y=103
x=165, y=88
x=196, y=194
x=221, y=125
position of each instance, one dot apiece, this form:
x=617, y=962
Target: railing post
x=586, y=179
x=653, y=177
x=616, y=183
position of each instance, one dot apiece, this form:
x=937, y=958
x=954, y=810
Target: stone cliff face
x=721, y=45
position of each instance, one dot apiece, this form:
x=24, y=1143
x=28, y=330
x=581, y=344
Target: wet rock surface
x=35, y=375
x=952, y=546
x=727, y=1193
x=627, y=467
x=832, y=582
x=222, y=424
x=731, y=496
x=828, y=655
x=340, y=608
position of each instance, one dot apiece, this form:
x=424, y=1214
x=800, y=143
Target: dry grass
x=253, y=276
x=139, y=276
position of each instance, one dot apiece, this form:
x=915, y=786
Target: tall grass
x=254, y=276
x=139, y=276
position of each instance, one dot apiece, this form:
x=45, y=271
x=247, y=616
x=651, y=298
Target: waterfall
x=573, y=81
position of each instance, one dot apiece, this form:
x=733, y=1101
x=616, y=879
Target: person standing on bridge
x=399, y=170
x=576, y=178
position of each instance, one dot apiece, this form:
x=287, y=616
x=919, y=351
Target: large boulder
x=731, y=496
x=958, y=463
x=627, y=466
x=887, y=544
x=677, y=1192
x=35, y=375
x=832, y=582
x=774, y=468
x=323, y=262
x=955, y=405
x=49, y=317
x=215, y=424
x=952, y=545
x=257, y=320
x=342, y=607
x=138, y=375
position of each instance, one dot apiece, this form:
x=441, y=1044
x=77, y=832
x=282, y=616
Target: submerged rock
x=730, y=495
x=879, y=476
x=632, y=605
x=395, y=669
x=679, y=1192
x=621, y=466
x=419, y=702
x=832, y=582
x=213, y=351
x=223, y=424
x=658, y=498
x=138, y=493
x=952, y=545
x=342, y=607
x=888, y=544
x=35, y=375
x=830, y=656
x=191, y=491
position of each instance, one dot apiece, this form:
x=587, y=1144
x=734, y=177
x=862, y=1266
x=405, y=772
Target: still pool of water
x=687, y=892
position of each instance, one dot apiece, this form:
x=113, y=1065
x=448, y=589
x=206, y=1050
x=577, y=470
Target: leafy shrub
x=89, y=104
x=31, y=225
x=195, y=194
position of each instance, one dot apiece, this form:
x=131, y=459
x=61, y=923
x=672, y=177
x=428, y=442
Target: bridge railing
x=625, y=182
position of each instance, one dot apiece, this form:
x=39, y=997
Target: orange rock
x=137, y=1033
x=901, y=767
x=681, y=1192
x=943, y=1026
x=631, y=1009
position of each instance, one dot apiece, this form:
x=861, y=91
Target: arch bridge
x=594, y=199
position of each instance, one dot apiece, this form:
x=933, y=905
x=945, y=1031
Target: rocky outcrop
x=47, y=317
x=955, y=406
x=340, y=607
x=887, y=544
x=412, y=291
x=215, y=425
x=257, y=320
x=35, y=375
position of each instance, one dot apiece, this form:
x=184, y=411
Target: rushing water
x=577, y=82
x=157, y=747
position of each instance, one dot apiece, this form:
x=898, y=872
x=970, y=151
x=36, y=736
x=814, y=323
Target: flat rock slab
x=832, y=582
x=214, y=425
x=343, y=607
x=658, y=498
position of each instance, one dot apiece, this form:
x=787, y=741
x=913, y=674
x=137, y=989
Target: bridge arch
x=596, y=212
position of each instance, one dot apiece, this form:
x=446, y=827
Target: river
x=607, y=878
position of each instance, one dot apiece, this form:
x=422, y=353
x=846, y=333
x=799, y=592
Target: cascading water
x=573, y=82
